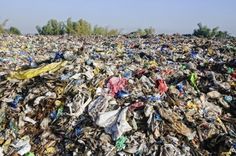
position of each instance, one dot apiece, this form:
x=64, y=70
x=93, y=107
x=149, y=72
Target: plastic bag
x=114, y=122
x=116, y=84
x=193, y=80
x=30, y=73
x=162, y=86
x=120, y=143
x=23, y=145
x=98, y=105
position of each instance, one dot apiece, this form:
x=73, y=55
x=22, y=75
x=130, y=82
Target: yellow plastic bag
x=210, y=51
x=6, y=145
x=50, y=150
x=96, y=71
x=59, y=90
x=186, y=49
x=30, y=73
x=191, y=105
x=152, y=64
x=120, y=48
x=226, y=153
x=221, y=124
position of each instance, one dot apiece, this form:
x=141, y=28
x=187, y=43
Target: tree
x=39, y=30
x=99, y=30
x=214, y=32
x=11, y=30
x=2, y=26
x=222, y=34
x=83, y=28
x=204, y=31
x=113, y=32
x=14, y=30
x=149, y=31
x=53, y=27
x=70, y=27
x=140, y=32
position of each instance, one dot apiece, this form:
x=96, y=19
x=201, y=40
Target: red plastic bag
x=136, y=105
x=234, y=74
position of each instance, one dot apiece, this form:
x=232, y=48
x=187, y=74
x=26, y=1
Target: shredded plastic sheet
x=30, y=73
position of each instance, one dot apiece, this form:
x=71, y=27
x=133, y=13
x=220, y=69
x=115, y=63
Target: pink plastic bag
x=116, y=84
x=161, y=85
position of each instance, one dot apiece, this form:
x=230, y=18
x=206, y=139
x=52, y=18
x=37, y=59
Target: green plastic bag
x=29, y=154
x=193, y=80
x=120, y=143
x=230, y=70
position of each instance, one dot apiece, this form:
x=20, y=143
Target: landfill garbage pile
x=167, y=95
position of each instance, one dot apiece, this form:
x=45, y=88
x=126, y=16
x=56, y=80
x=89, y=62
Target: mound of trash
x=167, y=95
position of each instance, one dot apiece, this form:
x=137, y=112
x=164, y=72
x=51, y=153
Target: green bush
x=105, y=31
x=14, y=30
x=149, y=31
x=146, y=31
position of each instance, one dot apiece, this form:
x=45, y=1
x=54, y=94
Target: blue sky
x=166, y=16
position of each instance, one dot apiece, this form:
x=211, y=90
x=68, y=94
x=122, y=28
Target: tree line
x=78, y=28
x=84, y=28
